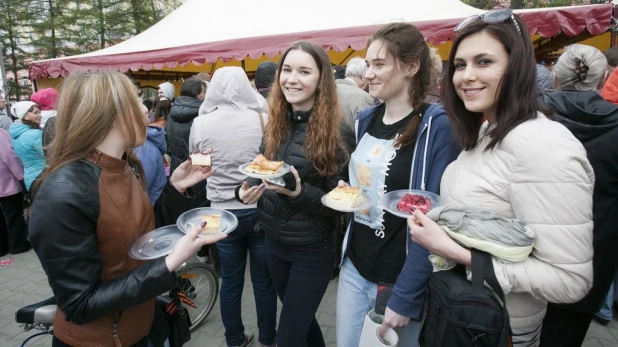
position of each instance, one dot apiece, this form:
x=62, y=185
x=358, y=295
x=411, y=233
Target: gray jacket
x=5, y=121
x=352, y=100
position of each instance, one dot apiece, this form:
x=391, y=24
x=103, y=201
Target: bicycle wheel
x=200, y=284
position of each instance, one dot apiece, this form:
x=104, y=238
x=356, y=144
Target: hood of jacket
x=185, y=109
x=156, y=135
x=17, y=129
x=586, y=114
x=230, y=88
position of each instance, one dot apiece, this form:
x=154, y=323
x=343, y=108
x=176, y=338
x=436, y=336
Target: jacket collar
x=298, y=116
x=106, y=162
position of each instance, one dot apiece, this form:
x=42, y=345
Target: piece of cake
x=213, y=224
x=261, y=165
x=200, y=159
x=346, y=197
x=410, y=202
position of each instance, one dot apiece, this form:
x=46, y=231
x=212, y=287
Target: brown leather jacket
x=85, y=218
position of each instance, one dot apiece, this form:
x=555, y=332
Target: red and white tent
x=208, y=32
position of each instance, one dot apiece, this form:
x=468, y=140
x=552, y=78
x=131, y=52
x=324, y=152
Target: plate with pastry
x=156, y=244
x=200, y=159
x=217, y=221
x=347, y=199
x=403, y=203
x=261, y=167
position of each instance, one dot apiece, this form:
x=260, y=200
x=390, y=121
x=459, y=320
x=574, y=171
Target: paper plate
x=364, y=205
x=390, y=200
x=187, y=220
x=156, y=244
x=282, y=171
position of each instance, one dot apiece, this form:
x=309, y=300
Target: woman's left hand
x=282, y=190
x=432, y=237
x=187, y=175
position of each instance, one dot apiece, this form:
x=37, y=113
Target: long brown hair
x=89, y=105
x=406, y=45
x=323, y=139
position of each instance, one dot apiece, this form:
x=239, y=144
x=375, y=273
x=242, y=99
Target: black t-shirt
x=379, y=255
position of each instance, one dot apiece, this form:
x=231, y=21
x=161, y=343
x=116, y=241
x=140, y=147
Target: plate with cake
x=347, y=199
x=403, y=203
x=261, y=167
x=217, y=221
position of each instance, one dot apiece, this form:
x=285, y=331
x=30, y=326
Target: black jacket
x=594, y=121
x=178, y=128
x=301, y=220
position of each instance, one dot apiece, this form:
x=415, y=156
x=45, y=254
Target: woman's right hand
x=188, y=245
x=250, y=195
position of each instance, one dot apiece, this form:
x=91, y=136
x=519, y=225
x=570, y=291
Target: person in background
x=544, y=80
x=5, y=119
x=578, y=75
x=433, y=94
x=28, y=139
x=351, y=91
x=150, y=106
x=162, y=112
x=89, y=208
x=231, y=125
x=13, y=230
x=519, y=165
x=402, y=143
x=264, y=77
x=339, y=72
x=303, y=133
x=167, y=90
x=612, y=59
x=150, y=154
x=204, y=76
x=138, y=87
x=46, y=98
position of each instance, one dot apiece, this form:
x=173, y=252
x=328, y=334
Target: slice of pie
x=200, y=159
x=261, y=165
x=213, y=223
x=346, y=197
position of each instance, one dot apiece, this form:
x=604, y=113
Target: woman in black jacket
x=578, y=75
x=305, y=131
x=90, y=206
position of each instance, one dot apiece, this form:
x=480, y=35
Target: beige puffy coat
x=539, y=174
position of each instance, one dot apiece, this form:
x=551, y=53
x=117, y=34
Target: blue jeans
x=233, y=254
x=355, y=298
x=606, y=310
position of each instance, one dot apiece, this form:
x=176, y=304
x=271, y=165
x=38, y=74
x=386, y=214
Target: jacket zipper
x=287, y=152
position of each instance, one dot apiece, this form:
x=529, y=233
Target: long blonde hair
x=89, y=105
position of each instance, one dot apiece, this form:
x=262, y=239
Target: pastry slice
x=263, y=166
x=346, y=197
x=213, y=224
x=200, y=159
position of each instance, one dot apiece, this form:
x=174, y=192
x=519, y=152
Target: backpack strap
x=483, y=271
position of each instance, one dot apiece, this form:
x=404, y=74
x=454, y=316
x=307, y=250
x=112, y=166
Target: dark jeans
x=564, y=328
x=13, y=230
x=233, y=254
x=301, y=274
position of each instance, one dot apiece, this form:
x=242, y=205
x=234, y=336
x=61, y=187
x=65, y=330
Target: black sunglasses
x=495, y=16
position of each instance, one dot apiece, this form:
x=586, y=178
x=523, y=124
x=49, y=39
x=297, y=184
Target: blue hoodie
x=151, y=156
x=434, y=150
x=28, y=144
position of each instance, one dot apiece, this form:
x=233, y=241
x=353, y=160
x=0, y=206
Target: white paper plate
x=282, y=171
x=364, y=205
x=390, y=200
x=193, y=217
x=156, y=244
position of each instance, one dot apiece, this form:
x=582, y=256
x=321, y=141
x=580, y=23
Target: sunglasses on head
x=495, y=16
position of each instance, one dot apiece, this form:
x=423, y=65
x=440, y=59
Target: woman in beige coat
x=517, y=164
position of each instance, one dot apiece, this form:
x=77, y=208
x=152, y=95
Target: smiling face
x=34, y=115
x=299, y=79
x=480, y=63
x=386, y=80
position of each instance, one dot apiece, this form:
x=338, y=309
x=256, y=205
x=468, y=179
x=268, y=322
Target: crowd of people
x=496, y=131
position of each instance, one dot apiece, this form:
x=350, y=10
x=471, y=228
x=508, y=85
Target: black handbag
x=26, y=201
x=177, y=318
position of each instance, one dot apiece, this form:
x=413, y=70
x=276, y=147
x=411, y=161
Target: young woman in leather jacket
x=90, y=206
x=305, y=131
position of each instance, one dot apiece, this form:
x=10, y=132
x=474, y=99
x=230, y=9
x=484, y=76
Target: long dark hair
x=516, y=101
x=406, y=45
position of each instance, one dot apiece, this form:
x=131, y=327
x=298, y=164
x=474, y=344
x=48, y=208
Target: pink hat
x=46, y=98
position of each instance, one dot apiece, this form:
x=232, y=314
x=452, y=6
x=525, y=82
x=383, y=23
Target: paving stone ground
x=23, y=282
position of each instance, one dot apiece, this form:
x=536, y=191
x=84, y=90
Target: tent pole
x=613, y=29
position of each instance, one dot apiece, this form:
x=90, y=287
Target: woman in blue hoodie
x=28, y=139
x=151, y=155
x=402, y=143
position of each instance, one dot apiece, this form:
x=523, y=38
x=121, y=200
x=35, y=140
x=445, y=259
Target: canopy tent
x=203, y=35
